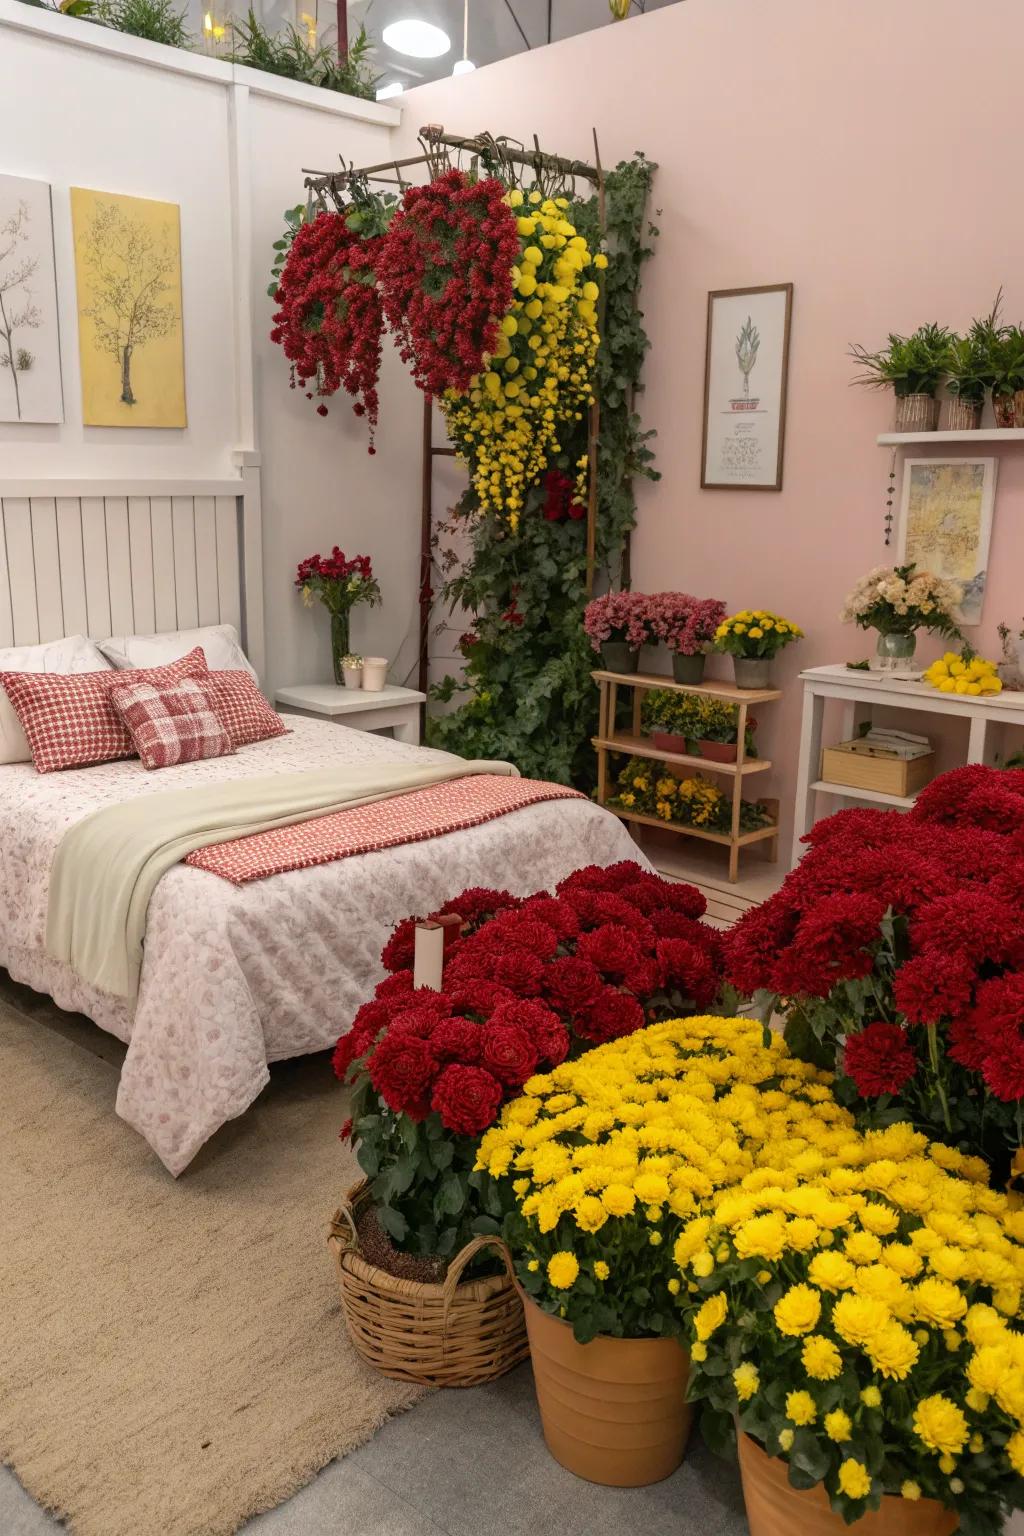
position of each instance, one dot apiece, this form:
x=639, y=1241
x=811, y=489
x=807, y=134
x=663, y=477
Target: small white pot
x=375, y=673
x=353, y=676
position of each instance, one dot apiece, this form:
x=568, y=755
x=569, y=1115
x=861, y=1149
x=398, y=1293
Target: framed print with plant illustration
x=128, y=268
x=30, y=382
x=946, y=523
x=745, y=366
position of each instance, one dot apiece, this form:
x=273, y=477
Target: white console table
x=859, y=692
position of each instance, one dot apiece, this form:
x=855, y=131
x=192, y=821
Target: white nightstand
x=397, y=708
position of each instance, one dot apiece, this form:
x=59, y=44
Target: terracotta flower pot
x=718, y=751
x=667, y=741
x=776, y=1509
x=613, y=1411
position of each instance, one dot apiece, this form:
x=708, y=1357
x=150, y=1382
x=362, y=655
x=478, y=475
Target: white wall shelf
x=979, y=435
x=851, y=792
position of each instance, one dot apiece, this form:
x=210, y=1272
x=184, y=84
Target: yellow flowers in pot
x=539, y=377
x=881, y=1279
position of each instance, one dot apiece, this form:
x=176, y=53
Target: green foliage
x=968, y=368
x=909, y=365
x=291, y=54
x=294, y=218
x=528, y=661
x=157, y=20
x=692, y=715
x=66, y=7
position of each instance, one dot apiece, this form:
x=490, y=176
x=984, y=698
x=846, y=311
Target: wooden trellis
x=508, y=159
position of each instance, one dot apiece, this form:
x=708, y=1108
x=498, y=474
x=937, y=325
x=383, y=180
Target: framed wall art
x=745, y=366
x=128, y=269
x=946, y=523
x=30, y=383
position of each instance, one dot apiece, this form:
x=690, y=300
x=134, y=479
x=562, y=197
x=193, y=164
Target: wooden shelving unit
x=633, y=744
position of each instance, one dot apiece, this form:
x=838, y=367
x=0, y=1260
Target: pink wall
x=856, y=151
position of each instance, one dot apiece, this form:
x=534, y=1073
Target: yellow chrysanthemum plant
x=603, y=1162
x=539, y=381
x=856, y=1305
x=755, y=632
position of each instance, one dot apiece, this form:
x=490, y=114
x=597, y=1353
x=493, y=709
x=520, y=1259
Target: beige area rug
x=172, y=1353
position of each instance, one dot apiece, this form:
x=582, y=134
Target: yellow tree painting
x=128, y=269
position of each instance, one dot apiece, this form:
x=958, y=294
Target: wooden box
x=884, y=775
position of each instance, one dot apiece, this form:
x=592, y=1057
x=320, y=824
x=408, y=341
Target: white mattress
x=236, y=977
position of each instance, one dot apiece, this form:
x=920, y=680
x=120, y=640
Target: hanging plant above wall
x=329, y=318
x=446, y=275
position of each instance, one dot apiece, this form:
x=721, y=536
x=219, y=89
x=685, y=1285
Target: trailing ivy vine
x=530, y=697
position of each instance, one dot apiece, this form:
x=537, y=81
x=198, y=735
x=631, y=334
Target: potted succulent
x=340, y=584
x=352, y=670
x=913, y=368
x=968, y=379
x=594, y=1212
x=753, y=638
x=618, y=626
x=868, y=1365
x=695, y=724
x=897, y=601
x=687, y=626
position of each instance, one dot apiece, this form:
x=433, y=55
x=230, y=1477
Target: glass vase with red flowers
x=528, y=983
x=341, y=584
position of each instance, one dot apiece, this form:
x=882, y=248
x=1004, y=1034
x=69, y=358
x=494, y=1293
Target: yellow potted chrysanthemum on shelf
x=857, y=1311
x=601, y=1163
x=753, y=638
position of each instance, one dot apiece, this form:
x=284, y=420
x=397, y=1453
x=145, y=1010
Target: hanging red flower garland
x=445, y=275
x=329, y=318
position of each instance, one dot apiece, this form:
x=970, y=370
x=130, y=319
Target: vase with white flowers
x=897, y=601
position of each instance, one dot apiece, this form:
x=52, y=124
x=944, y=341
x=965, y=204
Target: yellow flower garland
x=539, y=378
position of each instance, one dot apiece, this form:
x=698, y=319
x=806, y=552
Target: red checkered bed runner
x=409, y=818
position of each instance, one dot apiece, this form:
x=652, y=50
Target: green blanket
x=107, y=865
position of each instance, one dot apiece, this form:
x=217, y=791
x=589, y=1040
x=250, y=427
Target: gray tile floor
x=470, y=1464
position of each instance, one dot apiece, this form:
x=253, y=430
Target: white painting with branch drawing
x=745, y=387
x=30, y=384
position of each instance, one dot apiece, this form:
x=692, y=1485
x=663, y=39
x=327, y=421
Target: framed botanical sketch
x=128, y=268
x=946, y=523
x=30, y=383
x=745, y=366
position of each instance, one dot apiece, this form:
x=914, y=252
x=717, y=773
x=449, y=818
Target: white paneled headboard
x=129, y=557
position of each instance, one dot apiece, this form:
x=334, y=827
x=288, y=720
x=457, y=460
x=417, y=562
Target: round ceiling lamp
x=416, y=39
x=463, y=66
x=393, y=88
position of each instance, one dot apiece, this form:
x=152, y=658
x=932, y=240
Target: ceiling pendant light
x=417, y=39
x=464, y=65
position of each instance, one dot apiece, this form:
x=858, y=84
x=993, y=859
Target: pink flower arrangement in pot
x=687, y=625
x=618, y=625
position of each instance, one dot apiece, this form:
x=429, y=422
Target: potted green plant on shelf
x=897, y=601
x=753, y=638
x=687, y=626
x=1006, y=358
x=913, y=367
x=968, y=379
x=643, y=790
x=695, y=724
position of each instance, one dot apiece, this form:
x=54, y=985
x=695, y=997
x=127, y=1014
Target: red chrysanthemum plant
x=328, y=318
x=895, y=951
x=445, y=275
x=528, y=982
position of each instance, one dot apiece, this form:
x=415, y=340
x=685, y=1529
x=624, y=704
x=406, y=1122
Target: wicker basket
x=450, y=1335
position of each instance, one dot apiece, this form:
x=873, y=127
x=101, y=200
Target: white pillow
x=219, y=642
x=72, y=654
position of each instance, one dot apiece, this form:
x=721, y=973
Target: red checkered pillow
x=69, y=720
x=173, y=724
x=243, y=708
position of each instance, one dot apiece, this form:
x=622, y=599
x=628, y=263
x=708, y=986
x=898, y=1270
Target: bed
x=236, y=977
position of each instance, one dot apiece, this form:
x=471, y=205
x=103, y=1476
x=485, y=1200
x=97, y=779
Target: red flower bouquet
x=528, y=982
x=895, y=950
